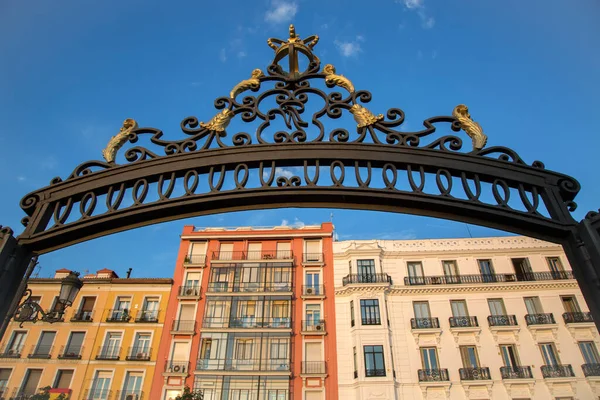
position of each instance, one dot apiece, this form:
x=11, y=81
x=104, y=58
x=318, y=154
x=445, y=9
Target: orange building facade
x=251, y=315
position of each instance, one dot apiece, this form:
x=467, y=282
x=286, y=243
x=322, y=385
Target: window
x=30, y=383
x=100, y=386
x=254, y=251
x=312, y=250
x=421, y=309
x=549, y=354
x=415, y=273
x=313, y=314
x=16, y=343
x=496, y=307
x=44, y=345
x=509, y=355
x=469, y=356
x=197, y=252
x=226, y=251
x=451, y=271
x=57, y=305
x=374, y=362
x=205, y=349
x=459, y=308
x=150, y=310
x=555, y=266
x=313, y=282
x=533, y=305
x=570, y=304
x=133, y=384
x=522, y=268
x=112, y=345
x=86, y=309
x=351, y=312
x=487, y=270
x=63, y=379
x=279, y=349
x=243, y=349
x=122, y=308
x=5, y=375
x=429, y=358
x=355, y=362
x=589, y=352
x=369, y=312
x=284, y=250
x=366, y=270
x=141, y=345
x=73, y=348
x=192, y=280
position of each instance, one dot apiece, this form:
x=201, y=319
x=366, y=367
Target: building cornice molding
x=245, y=235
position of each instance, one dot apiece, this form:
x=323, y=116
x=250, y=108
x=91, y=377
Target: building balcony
x=138, y=353
x=118, y=316
x=458, y=279
x=314, y=368
x=70, y=353
x=433, y=375
x=366, y=279
x=129, y=395
x=557, y=371
x=578, y=317
x=98, y=394
x=371, y=372
x=194, y=261
x=540, y=319
x=189, y=292
x=463, y=322
x=516, y=372
x=425, y=323
x=247, y=323
x=313, y=327
x=258, y=364
x=474, y=374
x=183, y=327
x=176, y=368
x=591, y=369
x=313, y=259
x=39, y=351
x=11, y=351
x=82, y=316
x=261, y=256
x=109, y=353
x=147, y=316
x=502, y=320
x=249, y=287
x=313, y=291
x=544, y=276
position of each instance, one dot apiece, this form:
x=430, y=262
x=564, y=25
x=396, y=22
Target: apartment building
x=105, y=348
x=490, y=318
x=247, y=315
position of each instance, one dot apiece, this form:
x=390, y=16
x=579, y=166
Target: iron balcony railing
x=70, y=352
x=557, y=371
x=312, y=325
x=424, y=323
x=11, y=351
x=374, y=320
x=109, y=353
x=370, y=372
x=129, y=395
x=252, y=255
x=247, y=322
x=577, y=317
x=502, y=320
x=314, y=367
x=40, y=351
x=474, y=373
x=221, y=287
x=312, y=258
x=248, y=364
x=183, y=325
x=193, y=291
x=195, y=259
x=313, y=290
x=516, y=372
x=458, y=279
x=148, y=316
x=433, y=375
x=82, y=316
x=591, y=369
x=544, y=276
x=366, y=279
x=463, y=322
x=138, y=353
x=539, y=319
x=115, y=315
x=97, y=394
x=176, y=367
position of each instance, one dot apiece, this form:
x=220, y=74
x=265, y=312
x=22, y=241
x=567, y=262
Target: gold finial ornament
x=471, y=128
x=117, y=141
x=291, y=47
x=252, y=83
x=219, y=122
x=363, y=116
x=332, y=78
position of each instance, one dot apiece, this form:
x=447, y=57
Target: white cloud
x=297, y=223
x=348, y=49
x=407, y=234
x=412, y=4
x=222, y=55
x=285, y=222
x=427, y=22
x=281, y=11
x=360, y=38
x=241, y=54
x=288, y=173
x=21, y=178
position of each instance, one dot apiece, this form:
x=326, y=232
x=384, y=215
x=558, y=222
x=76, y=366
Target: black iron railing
x=11, y=351
x=248, y=364
x=147, y=316
x=70, y=352
x=463, y=322
x=96, y=394
x=183, y=325
x=557, y=371
x=370, y=372
x=544, y=276
x=516, y=372
x=539, y=319
x=138, y=353
x=314, y=367
x=247, y=322
x=195, y=259
x=474, y=373
x=129, y=395
x=109, y=353
x=591, y=369
x=312, y=325
x=366, y=279
x=263, y=255
x=222, y=287
x=176, y=367
x=40, y=351
x=424, y=323
x=577, y=317
x=312, y=257
x=458, y=279
x=433, y=375
x=313, y=290
x=189, y=291
x=502, y=320
x=115, y=315
x=82, y=316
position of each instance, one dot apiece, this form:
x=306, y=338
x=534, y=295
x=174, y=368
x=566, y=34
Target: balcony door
x=86, y=308
x=366, y=270
x=312, y=282
x=313, y=314
x=415, y=273
x=549, y=354
x=112, y=345
x=100, y=385
x=151, y=308
x=459, y=308
x=451, y=271
x=74, y=344
x=533, y=305
x=133, y=384
x=496, y=307
x=44, y=345
x=429, y=358
x=226, y=251
x=141, y=345
x=469, y=356
x=254, y=251
x=487, y=271
x=312, y=250
x=122, y=308
x=30, y=384
x=570, y=304
x=523, y=270
x=589, y=352
x=284, y=250
x=509, y=356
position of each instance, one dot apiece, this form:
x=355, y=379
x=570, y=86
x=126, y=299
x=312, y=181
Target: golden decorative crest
x=219, y=122
x=252, y=83
x=291, y=47
x=339, y=80
x=363, y=116
x=471, y=128
x=117, y=141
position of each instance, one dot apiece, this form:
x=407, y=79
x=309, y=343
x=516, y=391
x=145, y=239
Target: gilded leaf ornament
x=471, y=128
x=219, y=122
x=331, y=78
x=117, y=141
x=363, y=116
x=252, y=83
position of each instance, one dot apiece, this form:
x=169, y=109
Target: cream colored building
x=488, y=318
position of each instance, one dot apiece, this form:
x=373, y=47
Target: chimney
x=129, y=272
x=61, y=273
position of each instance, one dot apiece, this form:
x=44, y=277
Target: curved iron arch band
x=372, y=176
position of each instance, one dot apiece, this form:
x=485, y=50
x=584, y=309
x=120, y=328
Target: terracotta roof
x=63, y=270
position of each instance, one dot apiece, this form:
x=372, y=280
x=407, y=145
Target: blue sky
x=71, y=71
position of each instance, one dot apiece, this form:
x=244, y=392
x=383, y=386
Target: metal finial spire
x=291, y=47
